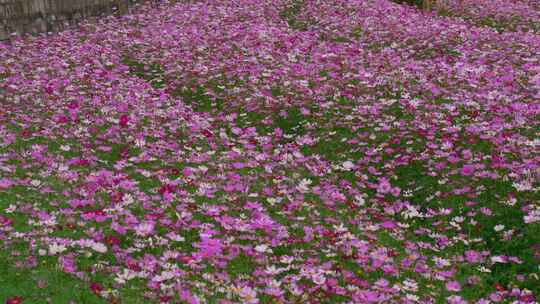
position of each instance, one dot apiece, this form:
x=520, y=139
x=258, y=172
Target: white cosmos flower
x=287, y=259
x=11, y=208
x=522, y=186
x=410, y=285
x=144, y=229
x=498, y=259
x=99, y=247
x=127, y=275
x=318, y=278
x=498, y=228
x=359, y=200
x=303, y=187
x=56, y=248
x=348, y=165
x=412, y=297
x=261, y=248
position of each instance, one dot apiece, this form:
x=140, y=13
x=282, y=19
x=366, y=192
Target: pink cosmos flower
x=145, y=228
x=456, y=300
x=68, y=264
x=187, y=171
x=5, y=183
x=388, y=224
x=473, y=256
x=495, y=297
x=366, y=296
x=453, y=286
x=467, y=170
x=248, y=295
x=384, y=186
x=208, y=248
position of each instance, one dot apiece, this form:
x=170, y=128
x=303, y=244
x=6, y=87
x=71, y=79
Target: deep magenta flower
x=467, y=170
x=124, y=120
x=15, y=300
x=96, y=288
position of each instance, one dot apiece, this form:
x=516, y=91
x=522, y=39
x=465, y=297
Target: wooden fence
x=37, y=16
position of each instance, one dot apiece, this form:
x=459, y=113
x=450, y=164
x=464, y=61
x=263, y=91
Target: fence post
x=122, y=6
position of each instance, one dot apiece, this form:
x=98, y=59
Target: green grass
x=240, y=265
x=289, y=14
x=61, y=287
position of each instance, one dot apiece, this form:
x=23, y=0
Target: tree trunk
x=427, y=5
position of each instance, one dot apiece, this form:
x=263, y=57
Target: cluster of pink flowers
x=340, y=151
x=501, y=15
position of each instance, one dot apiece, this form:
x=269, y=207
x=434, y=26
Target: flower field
x=274, y=151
